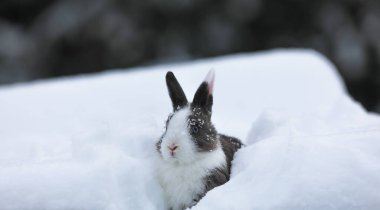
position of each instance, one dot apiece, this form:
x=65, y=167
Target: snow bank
x=88, y=142
x=326, y=161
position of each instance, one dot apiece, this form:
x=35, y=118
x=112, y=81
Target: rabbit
x=193, y=157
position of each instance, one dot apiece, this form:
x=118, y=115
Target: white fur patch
x=177, y=133
x=182, y=175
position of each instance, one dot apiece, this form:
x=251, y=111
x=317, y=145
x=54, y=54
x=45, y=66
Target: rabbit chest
x=183, y=184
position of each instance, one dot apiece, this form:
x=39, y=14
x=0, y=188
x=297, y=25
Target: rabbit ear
x=210, y=79
x=176, y=93
x=203, y=97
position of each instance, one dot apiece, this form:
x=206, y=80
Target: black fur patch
x=202, y=98
x=176, y=93
x=217, y=177
x=230, y=145
x=206, y=137
x=158, y=145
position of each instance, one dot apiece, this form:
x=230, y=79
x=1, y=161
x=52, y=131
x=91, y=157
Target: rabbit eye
x=194, y=129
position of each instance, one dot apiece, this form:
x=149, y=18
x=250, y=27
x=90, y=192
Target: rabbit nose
x=172, y=147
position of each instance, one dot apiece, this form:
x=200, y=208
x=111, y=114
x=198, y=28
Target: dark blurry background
x=49, y=38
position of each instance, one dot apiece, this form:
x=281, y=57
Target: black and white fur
x=194, y=158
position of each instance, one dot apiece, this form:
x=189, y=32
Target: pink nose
x=173, y=147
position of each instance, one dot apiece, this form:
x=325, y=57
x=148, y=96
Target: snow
x=306, y=162
x=88, y=142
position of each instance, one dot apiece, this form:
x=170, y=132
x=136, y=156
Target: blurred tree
x=48, y=38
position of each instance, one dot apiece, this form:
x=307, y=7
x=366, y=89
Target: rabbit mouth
x=172, y=154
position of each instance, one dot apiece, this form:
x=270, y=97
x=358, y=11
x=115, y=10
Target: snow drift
x=88, y=142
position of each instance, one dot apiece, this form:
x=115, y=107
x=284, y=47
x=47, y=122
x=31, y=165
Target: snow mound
x=327, y=161
x=88, y=142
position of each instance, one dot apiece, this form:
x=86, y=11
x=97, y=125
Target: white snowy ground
x=88, y=142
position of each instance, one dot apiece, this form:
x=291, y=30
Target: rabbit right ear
x=176, y=93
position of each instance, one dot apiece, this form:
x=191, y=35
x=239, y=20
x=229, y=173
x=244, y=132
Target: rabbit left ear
x=203, y=96
x=176, y=93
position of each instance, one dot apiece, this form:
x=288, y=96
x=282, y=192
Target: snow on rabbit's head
x=189, y=133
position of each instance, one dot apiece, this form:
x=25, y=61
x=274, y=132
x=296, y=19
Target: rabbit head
x=190, y=134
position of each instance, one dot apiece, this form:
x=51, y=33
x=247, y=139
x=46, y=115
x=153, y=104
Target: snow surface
x=88, y=142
